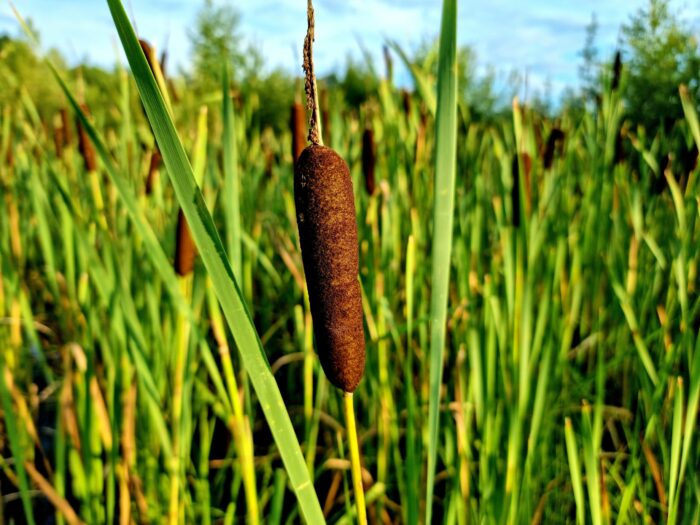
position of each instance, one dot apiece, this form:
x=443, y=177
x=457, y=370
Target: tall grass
x=564, y=388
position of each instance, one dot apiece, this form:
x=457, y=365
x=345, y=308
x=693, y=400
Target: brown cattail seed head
x=10, y=156
x=154, y=165
x=617, y=70
x=65, y=124
x=297, y=123
x=163, y=62
x=389, y=63
x=328, y=232
x=59, y=136
x=369, y=157
x=325, y=115
x=556, y=136
x=515, y=192
x=87, y=150
x=149, y=52
x=185, y=249
x=406, y=100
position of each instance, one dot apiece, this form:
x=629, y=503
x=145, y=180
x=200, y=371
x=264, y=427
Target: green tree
x=216, y=41
x=589, y=70
x=662, y=53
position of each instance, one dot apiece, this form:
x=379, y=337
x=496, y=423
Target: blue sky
x=540, y=38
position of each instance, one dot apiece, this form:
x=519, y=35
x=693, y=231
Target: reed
x=85, y=147
x=297, y=124
x=369, y=159
x=616, y=71
x=325, y=207
x=326, y=219
x=185, y=249
x=554, y=142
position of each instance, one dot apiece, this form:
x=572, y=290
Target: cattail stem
x=355, y=465
x=176, y=461
x=310, y=80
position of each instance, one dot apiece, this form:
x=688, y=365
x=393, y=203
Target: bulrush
x=617, y=71
x=325, y=210
x=556, y=137
x=297, y=124
x=369, y=159
x=59, y=136
x=65, y=124
x=515, y=192
x=87, y=150
x=406, y=101
x=149, y=52
x=185, y=249
x=153, y=166
x=325, y=207
x=325, y=114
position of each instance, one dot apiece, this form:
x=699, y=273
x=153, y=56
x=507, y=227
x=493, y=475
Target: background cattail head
x=620, y=154
x=556, y=136
x=515, y=191
x=59, y=139
x=10, y=156
x=389, y=63
x=297, y=124
x=65, y=124
x=406, y=100
x=153, y=166
x=87, y=150
x=617, y=70
x=185, y=249
x=325, y=114
x=326, y=219
x=369, y=159
x=149, y=52
x=163, y=62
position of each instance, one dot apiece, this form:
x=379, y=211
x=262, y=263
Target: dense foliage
x=572, y=372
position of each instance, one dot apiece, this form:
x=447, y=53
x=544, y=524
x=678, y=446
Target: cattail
x=556, y=136
x=325, y=114
x=185, y=249
x=154, y=165
x=87, y=150
x=369, y=156
x=325, y=207
x=297, y=123
x=59, y=135
x=65, y=124
x=421, y=135
x=515, y=192
x=389, y=63
x=620, y=155
x=10, y=157
x=526, y=163
x=149, y=52
x=406, y=99
x=617, y=70
x=163, y=62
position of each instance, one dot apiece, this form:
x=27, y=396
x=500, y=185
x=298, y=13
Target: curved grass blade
x=443, y=214
x=232, y=206
x=214, y=257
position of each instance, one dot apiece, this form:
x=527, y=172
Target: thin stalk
x=445, y=169
x=356, y=467
x=181, y=342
